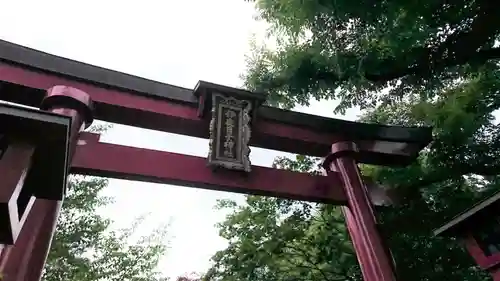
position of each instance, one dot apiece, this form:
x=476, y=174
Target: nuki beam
x=116, y=161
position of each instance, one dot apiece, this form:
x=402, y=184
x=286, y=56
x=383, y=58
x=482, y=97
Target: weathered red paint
x=25, y=260
x=116, y=161
x=373, y=258
x=357, y=241
x=354, y=230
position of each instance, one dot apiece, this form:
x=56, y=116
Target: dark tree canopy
x=363, y=47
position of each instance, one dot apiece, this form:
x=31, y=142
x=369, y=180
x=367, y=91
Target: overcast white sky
x=177, y=42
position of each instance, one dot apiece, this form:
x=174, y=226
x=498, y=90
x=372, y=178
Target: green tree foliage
x=432, y=63
x=284, y=240
x=84, y=247
x=355, y=50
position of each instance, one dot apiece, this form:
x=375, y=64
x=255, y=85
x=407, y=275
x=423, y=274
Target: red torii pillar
x=25, y=260
x=373, y=257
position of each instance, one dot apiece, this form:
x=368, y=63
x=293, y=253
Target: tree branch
x=427, y=66
x=458, y=172
x=459, y=48
x=309, y=260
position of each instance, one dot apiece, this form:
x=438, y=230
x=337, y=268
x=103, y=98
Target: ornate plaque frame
x=230, y=133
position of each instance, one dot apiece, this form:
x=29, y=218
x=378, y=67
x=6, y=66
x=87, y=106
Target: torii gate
x=37, y=148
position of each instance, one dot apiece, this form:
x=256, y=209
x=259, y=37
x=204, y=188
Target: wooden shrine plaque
x=230, y=133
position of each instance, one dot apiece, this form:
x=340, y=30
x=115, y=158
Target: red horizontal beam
x=116, y=161
x=122, y=107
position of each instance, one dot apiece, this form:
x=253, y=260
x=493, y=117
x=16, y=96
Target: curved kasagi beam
x=131, y=100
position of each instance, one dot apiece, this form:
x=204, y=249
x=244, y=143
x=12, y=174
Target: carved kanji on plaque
x=230, y=133
x=231, y=112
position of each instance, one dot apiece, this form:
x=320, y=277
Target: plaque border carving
x=244, y=131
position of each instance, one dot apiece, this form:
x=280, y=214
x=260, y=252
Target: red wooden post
x=375, y=263
x=24, y=261
x=479, y=229
x=357, y=242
